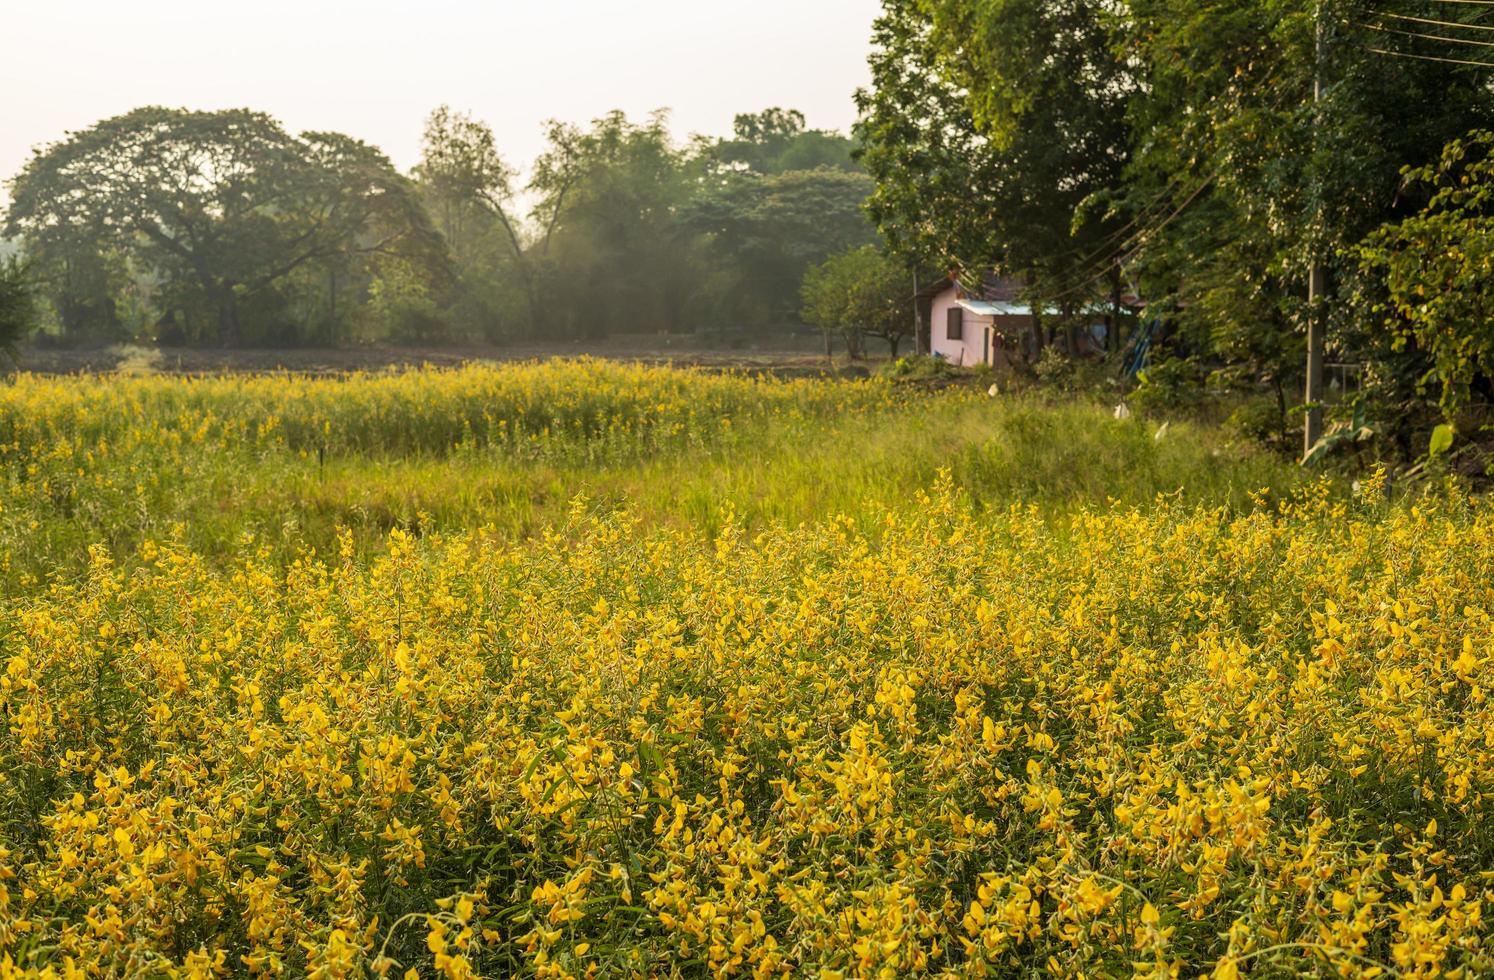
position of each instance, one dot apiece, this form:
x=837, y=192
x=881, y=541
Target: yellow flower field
x=1107, y=740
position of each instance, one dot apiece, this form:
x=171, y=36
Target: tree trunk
x=229, y=334
x=1281, y=406
x=918, y=346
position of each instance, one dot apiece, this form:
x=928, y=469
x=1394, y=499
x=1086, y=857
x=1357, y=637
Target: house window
x=955, y=324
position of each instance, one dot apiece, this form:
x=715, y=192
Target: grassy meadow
x=578, y=669
x=289, y=462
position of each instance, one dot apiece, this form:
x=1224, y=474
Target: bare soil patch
x=130, y=359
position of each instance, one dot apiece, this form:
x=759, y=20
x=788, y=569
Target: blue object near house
x=1139, y=353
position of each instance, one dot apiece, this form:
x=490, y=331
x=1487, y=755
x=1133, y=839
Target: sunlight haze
x=373, y=70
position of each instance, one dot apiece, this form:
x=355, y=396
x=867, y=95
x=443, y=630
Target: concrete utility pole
x=917, y=319
x=1317, y=283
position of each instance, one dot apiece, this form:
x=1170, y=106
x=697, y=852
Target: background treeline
x=189, y=227
x=1175, y=150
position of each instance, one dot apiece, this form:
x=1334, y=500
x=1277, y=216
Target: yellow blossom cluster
x=1114, y=742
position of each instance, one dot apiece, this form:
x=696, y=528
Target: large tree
x=610, y=250
x=998, y=136
x=764, y=231
x=17, y=305
x=938, y=181
x=776, y=140
x=470, y=192
x=467, y=183
x=1436, y=267
x=859, y=293
x=224, y=206
x=1251, y=180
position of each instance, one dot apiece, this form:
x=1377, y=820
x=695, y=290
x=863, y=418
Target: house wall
x=1017, y=331
x=965, y=352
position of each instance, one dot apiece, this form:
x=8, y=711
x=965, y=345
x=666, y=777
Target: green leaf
x=1442, y=440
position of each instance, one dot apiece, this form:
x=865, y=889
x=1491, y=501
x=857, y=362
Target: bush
x=1054, y=368
x=1258, y=420
x=1170, y=384
x=917, y=367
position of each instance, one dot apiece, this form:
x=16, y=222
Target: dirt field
x=127, y=359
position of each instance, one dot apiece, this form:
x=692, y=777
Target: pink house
x=990, y=326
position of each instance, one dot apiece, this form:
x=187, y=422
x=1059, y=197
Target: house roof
x=985, y=307
x=1007, y=289
x=999, y=295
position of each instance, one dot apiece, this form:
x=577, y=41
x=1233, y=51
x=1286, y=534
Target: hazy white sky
x=374, y=68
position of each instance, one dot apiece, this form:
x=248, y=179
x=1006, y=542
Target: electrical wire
x=1152, y=209
x=1428, y=57
x=1132, y=244
x=1135, y=241
x=1437, y=23
x=1428, y=37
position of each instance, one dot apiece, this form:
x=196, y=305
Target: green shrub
x=1169, y=384
x=1258, y=420
x=1055, y=369
x=916, y=367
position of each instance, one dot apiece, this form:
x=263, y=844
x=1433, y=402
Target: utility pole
x=1317, y=278
x=917, y=319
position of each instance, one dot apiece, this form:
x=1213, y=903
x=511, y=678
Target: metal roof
x=986, y=307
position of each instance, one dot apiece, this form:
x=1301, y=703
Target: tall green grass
x=284, y=463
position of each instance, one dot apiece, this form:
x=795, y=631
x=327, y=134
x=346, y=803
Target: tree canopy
x=776, y=141
x=859, y=293
x=222, y=227
x=17, y=305
x=226, y=206
x=1202, y=155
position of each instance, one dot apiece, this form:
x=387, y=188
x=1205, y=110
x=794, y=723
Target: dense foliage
x=1204, y=156
x=1436, y=268
x=18, y=317
x=220, y=227
x=217, y=213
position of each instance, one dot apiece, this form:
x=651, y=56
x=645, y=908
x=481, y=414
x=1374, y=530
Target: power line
x=1152, y=209
x=1428, y=37
x=1428, y=57
x=1108, y=244
x=1438, y=23
x=1133, y=242
x=1129, y=244
x=1136, y=240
